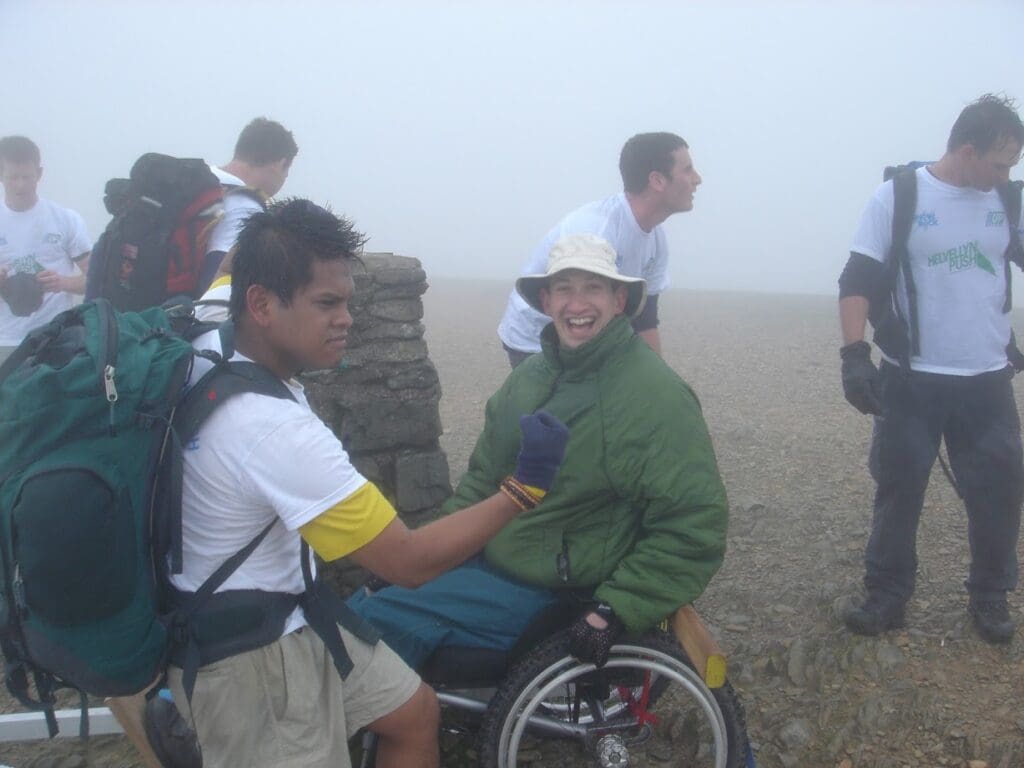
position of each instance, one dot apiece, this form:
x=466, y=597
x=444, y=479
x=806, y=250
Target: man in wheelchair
x=636, y=520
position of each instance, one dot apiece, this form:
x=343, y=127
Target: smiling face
x=581, y=304
x=310, y=332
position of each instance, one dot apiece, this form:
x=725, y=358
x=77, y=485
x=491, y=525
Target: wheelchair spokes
x=643, y=705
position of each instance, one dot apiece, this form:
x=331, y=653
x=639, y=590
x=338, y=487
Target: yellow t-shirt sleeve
x=352, y=522
x=222, y=280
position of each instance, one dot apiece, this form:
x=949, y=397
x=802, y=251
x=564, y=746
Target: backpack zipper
x=107, y=358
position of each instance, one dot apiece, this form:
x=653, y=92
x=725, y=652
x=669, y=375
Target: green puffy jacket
x=638, y=510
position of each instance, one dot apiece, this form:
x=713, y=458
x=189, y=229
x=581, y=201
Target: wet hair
x=987, y=124
x=644, y=153
x=264, y=141
x=276, y=249
x=18, y=149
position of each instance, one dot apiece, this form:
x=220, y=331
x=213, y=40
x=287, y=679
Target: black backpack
x=153, y=248
x=899, y=335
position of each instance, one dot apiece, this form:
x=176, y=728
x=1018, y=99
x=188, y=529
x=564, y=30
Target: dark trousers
x=977, y=417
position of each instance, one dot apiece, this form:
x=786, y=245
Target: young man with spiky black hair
x=944, y=373
x=290, y=689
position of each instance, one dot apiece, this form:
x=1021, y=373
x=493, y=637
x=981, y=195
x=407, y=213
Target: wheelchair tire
x=684, y=726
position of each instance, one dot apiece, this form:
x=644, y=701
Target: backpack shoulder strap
x=226, y=379
x=247, y=191
x=904, y=205
x=904, y=197
x=1010, y=195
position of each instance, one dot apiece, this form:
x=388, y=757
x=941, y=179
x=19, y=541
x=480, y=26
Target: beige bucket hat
x=587, y=253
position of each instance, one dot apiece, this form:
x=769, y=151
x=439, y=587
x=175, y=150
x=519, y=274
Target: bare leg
x=408, y=735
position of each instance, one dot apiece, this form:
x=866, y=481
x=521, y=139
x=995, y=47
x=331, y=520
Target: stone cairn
x=382, y=402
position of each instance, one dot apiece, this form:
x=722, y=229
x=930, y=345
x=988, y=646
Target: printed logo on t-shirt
x=963, y=257
x=927, y=219
x=26, y=264
x=995, y=219
x=52, y=238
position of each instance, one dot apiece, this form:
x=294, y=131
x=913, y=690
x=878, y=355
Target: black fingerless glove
x=860, y=378
x=590, y=644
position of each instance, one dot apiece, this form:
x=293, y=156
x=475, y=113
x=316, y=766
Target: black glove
x=1014, y=355
x=23, y=293
x=588, y=643
x=541, y=450
x=860, y=378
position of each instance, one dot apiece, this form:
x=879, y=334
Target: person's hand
x=541, y=450
x=861, y=384
x=593, y=634
x=51, y=281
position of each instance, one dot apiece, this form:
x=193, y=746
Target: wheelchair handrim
x=631, y=656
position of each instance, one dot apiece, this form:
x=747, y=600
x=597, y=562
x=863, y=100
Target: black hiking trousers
x=977, y=416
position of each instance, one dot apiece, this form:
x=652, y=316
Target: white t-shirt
x=639, y=254
x=957, y=245
x=254, y=459
x=45, y=237
x=237, y=208
x=218, y=292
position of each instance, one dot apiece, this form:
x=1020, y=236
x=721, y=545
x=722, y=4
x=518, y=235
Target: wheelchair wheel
x=646, y=706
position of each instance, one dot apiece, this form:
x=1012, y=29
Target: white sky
x=459, y=132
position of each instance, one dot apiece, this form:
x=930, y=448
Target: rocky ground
x=792, y=453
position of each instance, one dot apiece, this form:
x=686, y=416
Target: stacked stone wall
x=382, y=402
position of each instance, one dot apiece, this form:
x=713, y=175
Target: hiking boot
x=172, y=740
x=875, y=615
x=992, y=619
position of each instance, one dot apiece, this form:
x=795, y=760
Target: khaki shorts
x=285, y=705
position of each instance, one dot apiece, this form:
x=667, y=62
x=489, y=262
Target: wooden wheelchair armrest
x=707, y=656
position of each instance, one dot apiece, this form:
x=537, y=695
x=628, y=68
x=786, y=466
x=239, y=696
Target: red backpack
x=154, y=246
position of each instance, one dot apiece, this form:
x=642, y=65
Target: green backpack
x=90, y=494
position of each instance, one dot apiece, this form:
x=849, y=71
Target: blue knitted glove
x=541, y=450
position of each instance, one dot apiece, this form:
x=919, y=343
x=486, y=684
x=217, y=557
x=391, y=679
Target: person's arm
x=860, y=284
x=410, y=557
x=646, y=323
x=652, y=337
x=666, y=467
x=54, y=282
x=853, y=317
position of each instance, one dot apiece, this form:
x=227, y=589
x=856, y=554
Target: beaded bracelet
x=519, y=493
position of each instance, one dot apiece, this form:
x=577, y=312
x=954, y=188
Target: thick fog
x=459, y=132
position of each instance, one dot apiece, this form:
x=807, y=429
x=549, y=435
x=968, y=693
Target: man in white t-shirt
x=44, y=248
x=261, y=461
x=262, y=159
x=952, y=334
x=658, y=180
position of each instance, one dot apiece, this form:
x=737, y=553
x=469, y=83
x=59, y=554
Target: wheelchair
x=646, y=707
